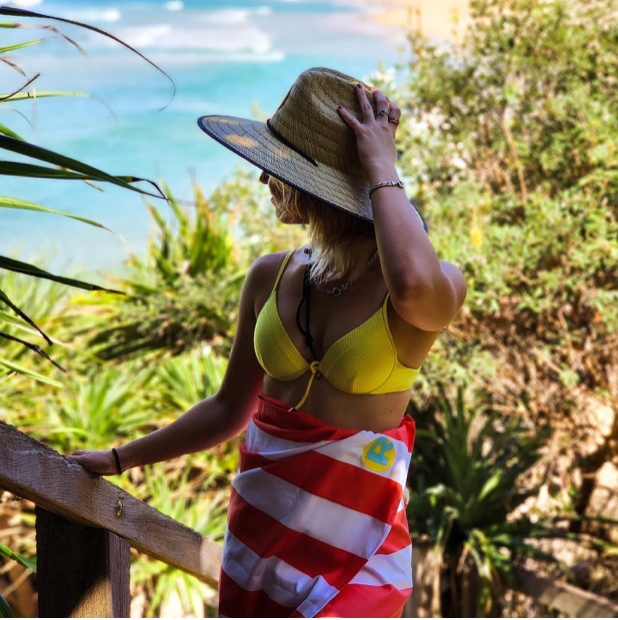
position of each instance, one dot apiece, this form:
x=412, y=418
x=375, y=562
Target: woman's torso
x=331, y=318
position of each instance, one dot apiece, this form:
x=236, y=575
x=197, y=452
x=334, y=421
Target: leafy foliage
x=508, y=140
x=188, y=379
x=466, y=479
x=5, y=610
x=195, y=506
x=63, y=167
x=471, y=480
x=183, y=292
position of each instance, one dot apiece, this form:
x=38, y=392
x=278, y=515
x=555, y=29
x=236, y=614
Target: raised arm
x=425, y=291
x=213, y=420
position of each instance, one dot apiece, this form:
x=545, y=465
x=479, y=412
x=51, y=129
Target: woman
x=316, y=525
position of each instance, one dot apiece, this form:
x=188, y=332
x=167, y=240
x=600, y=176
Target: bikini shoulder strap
x=283, y=264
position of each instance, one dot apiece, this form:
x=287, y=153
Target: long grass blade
x=5, y=299
x=14, y=65
x=11, y=48
x=10, y=264
x=15, y=12
x=9, y=319
x=18, y=112
x=9, y=132
x=12, y=95
x=20, y=169
x=46, y=27
x=16, y=203
x=29, y=373
x=33, y=347
x=38, y=152
x=18, y=96
x=5, y=609
x=44, y=93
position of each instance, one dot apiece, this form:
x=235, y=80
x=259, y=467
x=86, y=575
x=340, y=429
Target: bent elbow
x=411, y=291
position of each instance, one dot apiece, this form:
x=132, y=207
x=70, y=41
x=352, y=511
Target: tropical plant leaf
x=10, y=48
x=16, y=203
x=14, y=322
x=5, y=299
x=14, y=65
x=18, y=112
x=20, y=169
x=33, y=347
x=19, y=96
x=5, y=609
x=8, y=132
x=12, y=96
x=15, y=12
x=29, y=373
x=37, y=152
x=12, y=264
x=18, y=557
x=44, y=27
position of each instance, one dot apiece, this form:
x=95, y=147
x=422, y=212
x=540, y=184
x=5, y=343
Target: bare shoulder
x=261, y=277
x=265, y=268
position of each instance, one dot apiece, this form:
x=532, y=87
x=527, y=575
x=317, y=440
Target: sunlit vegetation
x=508, y=147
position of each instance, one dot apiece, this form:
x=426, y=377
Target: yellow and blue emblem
x=379, y=454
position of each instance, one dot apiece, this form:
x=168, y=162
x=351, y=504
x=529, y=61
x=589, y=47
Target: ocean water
x=224, y=56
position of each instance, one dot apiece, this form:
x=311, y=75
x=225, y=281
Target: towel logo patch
x=379, y=454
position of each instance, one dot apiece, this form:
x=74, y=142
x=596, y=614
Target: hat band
x=290, y=145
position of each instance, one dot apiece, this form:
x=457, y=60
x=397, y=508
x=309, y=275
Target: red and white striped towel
x=316, y=523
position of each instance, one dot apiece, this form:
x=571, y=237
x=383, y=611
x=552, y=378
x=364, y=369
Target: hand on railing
x=97, y=461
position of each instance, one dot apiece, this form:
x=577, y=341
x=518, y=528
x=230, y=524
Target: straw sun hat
x=305, y=143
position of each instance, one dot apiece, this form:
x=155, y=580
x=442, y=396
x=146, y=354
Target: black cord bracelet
x=117, y=461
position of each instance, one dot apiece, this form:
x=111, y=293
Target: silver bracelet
x=397, y=183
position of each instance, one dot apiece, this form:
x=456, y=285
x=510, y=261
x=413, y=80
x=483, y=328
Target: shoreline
x=434, y=17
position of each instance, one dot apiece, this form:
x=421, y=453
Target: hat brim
x=253, y=141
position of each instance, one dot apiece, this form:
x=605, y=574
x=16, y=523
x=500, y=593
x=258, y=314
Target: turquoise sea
x=224, y=55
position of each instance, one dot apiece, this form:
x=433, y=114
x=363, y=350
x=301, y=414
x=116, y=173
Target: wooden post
x=426, y=564
x=82, y=572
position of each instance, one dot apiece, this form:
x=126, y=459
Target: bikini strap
x=306, y=297
x=283, y=264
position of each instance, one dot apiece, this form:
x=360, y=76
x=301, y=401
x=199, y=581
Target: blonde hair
x=341, y=242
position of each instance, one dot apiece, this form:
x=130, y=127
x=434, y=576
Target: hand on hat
x=375, y=136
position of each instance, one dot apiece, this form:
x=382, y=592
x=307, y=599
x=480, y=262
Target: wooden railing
x=85, y=526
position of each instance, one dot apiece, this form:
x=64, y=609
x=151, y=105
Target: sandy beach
x=435, y=17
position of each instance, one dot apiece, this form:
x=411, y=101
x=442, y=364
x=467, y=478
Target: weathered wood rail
x=85, y=526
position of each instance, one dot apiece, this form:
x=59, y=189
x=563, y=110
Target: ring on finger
x=394, y=121
x=382, y=112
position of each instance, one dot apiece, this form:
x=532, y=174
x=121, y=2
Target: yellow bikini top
x=363, y=361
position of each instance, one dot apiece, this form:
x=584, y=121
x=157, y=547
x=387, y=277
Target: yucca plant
x=96, y=410
x=186, y=379
x=183, y=381
x=59, y=167
x=183, y=293
x=198, y=503
x=470, y=478
x=43, y=298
